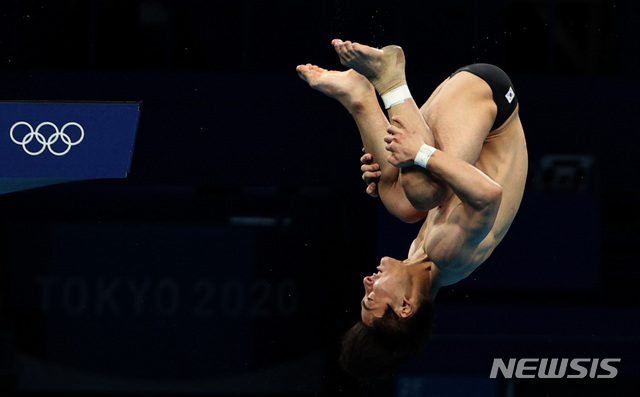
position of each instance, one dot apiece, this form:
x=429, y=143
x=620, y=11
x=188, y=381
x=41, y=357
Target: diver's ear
x=406, y=309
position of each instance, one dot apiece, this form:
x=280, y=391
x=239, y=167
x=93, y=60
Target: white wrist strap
x=424, y=154
x=396, y=96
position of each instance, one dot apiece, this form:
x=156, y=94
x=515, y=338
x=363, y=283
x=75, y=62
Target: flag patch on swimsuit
x=510, y=95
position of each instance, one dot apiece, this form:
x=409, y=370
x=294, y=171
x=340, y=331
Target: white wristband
x=396, y=96
x=424, y=154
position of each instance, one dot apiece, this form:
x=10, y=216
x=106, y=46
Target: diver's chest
x=436, y=218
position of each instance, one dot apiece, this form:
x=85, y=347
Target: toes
x=350, y=52
x=348, y=45
x=342, y=54
x=341, y=46
x=345, y=51
x=337, y=45
x=306, y=72
x=302, y=73
x=346, y=56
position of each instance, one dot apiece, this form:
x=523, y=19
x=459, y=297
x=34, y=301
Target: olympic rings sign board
x=46, y=143
x=67, y=140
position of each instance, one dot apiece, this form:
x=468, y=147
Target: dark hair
x=390, y=341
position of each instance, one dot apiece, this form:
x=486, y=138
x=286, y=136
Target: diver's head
x=399, y=286
x=397, y=314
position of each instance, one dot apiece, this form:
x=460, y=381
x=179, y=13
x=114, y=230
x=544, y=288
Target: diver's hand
x=370, y=173
x=403, y=143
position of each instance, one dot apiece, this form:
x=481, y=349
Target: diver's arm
x=474, y=188
x=480, y=195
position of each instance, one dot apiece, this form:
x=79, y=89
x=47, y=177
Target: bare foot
x=384, y=68
x=350, y=88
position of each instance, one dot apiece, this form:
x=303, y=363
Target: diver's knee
x=423, y=192
x=407, y=213
x=425, y=197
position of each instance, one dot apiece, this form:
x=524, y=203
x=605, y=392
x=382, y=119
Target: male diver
x=459, y=162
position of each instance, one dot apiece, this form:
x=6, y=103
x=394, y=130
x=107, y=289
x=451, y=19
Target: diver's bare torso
x=504, y=159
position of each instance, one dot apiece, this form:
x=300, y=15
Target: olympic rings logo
x=47, y=143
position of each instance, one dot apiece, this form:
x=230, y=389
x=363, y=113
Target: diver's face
x=383, y=289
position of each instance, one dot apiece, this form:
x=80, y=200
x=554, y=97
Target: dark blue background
x=245, y=182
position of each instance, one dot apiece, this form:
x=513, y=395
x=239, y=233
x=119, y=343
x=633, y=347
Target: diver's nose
x=368, y=280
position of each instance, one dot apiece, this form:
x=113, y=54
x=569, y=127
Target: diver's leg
x=385, y=69
x=358, y=96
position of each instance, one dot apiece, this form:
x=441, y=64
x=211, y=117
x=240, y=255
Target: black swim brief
x=503, y=93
